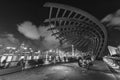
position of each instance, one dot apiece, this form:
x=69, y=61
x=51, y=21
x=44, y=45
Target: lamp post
x=46, y=58
x=73, y=53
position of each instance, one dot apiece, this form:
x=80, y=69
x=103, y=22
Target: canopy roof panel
x=78, y=27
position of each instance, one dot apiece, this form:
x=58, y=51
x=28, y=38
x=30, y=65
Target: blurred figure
x=21, y=63
x=3, y=63
x=40, y=61
x=32, y=63
x=85, y=61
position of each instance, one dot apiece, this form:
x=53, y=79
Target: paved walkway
x=67, y=71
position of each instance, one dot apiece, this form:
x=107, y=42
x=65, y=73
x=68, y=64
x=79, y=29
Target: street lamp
x=46, y=58
x=73, y=53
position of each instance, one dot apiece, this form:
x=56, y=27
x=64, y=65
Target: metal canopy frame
x=71, y=21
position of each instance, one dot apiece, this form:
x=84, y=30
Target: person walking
x=21, y=63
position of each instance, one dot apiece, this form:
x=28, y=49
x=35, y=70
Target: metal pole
x=73, y=54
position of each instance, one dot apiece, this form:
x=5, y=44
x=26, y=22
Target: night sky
x=15, y=12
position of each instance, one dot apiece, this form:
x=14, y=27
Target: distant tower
x=73, y=52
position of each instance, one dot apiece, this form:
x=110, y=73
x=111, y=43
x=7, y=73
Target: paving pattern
x=66, y=71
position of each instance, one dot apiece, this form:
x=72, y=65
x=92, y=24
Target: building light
x=50, y=50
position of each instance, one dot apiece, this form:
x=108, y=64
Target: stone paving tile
x=68, y=71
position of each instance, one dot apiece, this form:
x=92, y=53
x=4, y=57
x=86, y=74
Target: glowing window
x=22, y=57
x=35, y=57
x=28, y=57
x=9, y=58
x=3, y=58
x=14, y=58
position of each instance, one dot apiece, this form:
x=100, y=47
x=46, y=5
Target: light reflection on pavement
x=67, y=71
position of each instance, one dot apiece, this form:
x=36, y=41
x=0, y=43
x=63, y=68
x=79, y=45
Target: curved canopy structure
x=78, y=27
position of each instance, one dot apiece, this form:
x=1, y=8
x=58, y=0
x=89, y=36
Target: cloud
x=40, y=35
x=8, y=40
x=12, y=38
x=112, y=19
x=29, y=30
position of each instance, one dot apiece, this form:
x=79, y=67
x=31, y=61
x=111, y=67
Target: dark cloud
x=49, y=40
x=112, y=24
x=112, y=19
